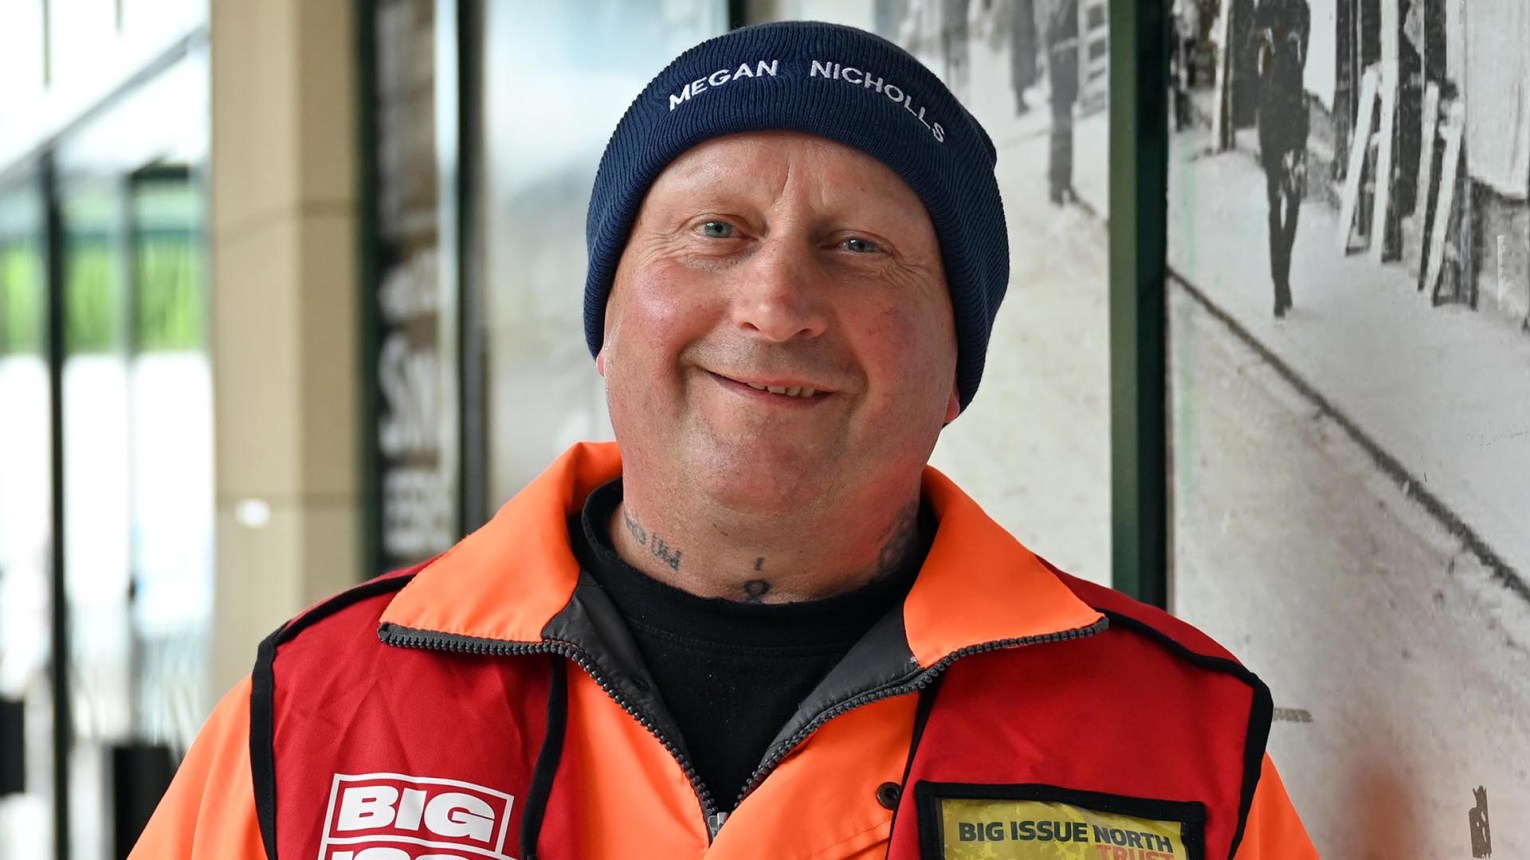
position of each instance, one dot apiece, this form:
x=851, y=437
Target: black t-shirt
x=731, y=674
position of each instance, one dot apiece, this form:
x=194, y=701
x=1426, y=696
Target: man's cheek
x=664, y=305
x=914, y=342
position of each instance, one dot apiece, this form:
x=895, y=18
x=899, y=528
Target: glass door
x=105, y=442
x=26, y=697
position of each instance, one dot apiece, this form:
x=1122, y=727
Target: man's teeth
x=794, y=391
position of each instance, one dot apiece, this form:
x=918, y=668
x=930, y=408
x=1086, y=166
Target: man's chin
x=764, y=474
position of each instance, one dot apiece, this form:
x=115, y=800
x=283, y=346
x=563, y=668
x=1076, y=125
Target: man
x=1022, y=52
x=955, y=44
x=1186, y=15
x=1062, y=68
x=758, y=625
x=1281, y=28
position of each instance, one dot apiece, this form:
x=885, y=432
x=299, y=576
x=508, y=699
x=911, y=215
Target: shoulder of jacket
x=358, y=606
x=1180, y=638
x=327, y=637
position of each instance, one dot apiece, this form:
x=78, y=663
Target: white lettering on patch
x=391, y=816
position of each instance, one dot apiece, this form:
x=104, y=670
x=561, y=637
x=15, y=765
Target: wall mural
x=1350, y=373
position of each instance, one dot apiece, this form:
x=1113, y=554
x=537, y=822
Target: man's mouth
x=789, y=391
x=792, y=388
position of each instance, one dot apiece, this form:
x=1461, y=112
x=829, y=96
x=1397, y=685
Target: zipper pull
x=715, y=822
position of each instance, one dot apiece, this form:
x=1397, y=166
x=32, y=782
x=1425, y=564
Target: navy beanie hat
x=836, y=82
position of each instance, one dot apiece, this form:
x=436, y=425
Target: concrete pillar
x=285, y=315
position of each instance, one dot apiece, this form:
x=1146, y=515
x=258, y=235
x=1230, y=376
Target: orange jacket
x=477, y=707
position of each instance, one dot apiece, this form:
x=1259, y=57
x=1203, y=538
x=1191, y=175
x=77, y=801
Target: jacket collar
x=508, y=579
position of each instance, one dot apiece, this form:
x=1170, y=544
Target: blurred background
x=291, y=290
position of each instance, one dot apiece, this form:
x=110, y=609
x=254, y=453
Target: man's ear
x=600, y=361
x=954, y=405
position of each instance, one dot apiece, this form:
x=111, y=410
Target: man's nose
x=779, y=292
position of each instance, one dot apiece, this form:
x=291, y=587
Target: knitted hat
x=836, y=82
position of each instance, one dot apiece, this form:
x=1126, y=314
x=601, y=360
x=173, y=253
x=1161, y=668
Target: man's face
x=789, y=262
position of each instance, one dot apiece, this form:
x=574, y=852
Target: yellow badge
x=970, y=823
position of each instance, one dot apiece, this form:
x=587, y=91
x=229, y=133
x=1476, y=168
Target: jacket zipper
x=404, y=637
x=712, y=816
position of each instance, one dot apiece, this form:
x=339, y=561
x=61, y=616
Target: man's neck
x=765, y=558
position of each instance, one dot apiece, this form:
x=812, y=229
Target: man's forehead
x=756, y=161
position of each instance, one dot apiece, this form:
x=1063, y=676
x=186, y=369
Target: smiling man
x=758, y=625
x=779, y=351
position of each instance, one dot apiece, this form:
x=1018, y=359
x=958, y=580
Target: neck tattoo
x=657, y=545
x=898, y=541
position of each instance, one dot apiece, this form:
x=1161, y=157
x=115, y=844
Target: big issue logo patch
x=391, y=816
x=1027, y=822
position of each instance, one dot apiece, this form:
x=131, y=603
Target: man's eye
x=862, y=246
x=717, y=230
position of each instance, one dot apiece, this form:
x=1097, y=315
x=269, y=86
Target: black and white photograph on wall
x=1035, y=74
x=1054, y=56
x=1349, y=349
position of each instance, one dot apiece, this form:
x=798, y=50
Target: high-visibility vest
x=487, y=705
